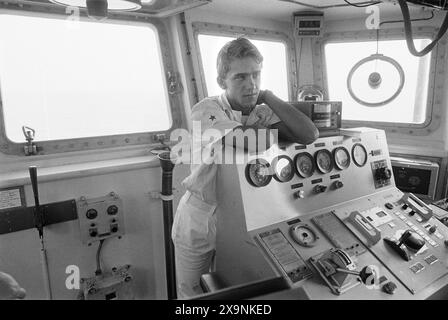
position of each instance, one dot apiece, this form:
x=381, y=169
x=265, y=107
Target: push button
x=390, y=287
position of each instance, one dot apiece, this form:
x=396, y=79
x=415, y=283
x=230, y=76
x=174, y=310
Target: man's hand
x=264, y=115
x=9, y=288
x=261, y=97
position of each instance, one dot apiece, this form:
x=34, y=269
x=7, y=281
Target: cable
x=408, y=31
x=397, y=21
x=362, y=6
x=419, y=19
x=98, y=255
x=45, y=272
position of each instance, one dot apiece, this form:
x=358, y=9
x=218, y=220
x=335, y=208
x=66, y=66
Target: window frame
x=108, y=141
x=436, y=71
x=214, y=29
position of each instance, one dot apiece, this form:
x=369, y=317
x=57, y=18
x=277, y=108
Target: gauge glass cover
x=324, y=161
x=341, y=158
x=359, y=155
x=304, y=163
x=258, y=173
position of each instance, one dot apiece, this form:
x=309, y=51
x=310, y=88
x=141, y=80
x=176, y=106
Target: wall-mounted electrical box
x=308, y=24
x=100, y=218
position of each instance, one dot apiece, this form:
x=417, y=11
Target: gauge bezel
x=299, y=241
x=317, y=163
x=353, y=154
x=298, y=171
x=274, y=169
x=255, y=162
x=336, y=162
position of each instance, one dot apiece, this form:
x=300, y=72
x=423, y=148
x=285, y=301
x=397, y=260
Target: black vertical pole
x=167, y=192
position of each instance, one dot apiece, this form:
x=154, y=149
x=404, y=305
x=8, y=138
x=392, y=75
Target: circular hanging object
x=375, y=80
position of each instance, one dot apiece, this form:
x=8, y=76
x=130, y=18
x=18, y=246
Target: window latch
x=30, y=147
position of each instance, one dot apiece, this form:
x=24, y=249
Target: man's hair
x=235, y=49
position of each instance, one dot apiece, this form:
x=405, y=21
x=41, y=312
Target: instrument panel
x=304, y=164
x=324, y=216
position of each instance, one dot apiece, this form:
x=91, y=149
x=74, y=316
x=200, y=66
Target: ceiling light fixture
x=98, y=8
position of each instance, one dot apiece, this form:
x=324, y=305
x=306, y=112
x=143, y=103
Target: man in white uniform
x=242, y=106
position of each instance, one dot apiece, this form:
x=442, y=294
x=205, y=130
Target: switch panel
x=381, y=173
x=100, y=218
x=112, y=285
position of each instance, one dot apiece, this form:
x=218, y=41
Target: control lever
x=417, y=205
x=411, y=240
x=335, y=266
x=38, y=216
x=39, y=223
x=341, y=262
x=372, y=234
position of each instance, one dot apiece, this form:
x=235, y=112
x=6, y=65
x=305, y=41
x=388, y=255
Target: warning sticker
x=10, y=198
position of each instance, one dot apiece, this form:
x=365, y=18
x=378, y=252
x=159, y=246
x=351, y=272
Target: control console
x=329, y=219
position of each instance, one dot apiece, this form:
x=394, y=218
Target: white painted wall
x=142, y=245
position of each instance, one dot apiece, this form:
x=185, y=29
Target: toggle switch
x=300, y=194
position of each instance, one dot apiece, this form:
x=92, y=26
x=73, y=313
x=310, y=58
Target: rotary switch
x=337, y=184
x=319, y=188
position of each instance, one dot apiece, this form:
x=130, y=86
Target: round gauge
x=304, y=235
x=359, y=155
x=304, y=164
x=258, y=173
x=341, y=158
x=324, y=160
x=283, y=168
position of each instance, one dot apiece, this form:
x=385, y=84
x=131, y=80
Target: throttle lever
x=38, y=217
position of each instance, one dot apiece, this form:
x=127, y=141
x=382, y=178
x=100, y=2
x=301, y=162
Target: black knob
x=111, y=210
x=93, y=232
x=338, y=184
x=404, y=206
x=411, y=213
x=432, y=229
x=390, y=287
x=383, y=173
x=91, y=214
x=319, y=188
x=114, y=228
